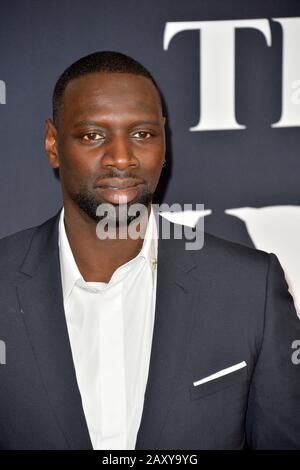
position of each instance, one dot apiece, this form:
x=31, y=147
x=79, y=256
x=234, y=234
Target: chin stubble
x=89, y=205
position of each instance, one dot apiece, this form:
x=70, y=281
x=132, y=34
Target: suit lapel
x=41, y=301
x=172, y=328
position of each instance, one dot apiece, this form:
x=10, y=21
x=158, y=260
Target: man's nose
x=119, y=153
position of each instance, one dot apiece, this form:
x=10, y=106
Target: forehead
x=110, y=92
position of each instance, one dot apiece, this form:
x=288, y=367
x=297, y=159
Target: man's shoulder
x=219, y=255
x=233, y=249
x=14, y=247
x=210, y=244
x=17, y=238
x=238, y=255
x=21, y=238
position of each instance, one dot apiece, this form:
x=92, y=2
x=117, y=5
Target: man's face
x=109, y=144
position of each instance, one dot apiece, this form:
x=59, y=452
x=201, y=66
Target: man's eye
x=142, y=135
x=93, y=136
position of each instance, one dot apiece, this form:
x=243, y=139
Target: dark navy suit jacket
x=216, y=307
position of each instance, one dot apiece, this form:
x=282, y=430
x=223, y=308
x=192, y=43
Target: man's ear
x=51, y=143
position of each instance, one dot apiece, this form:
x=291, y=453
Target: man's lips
x=119, y=190
x=119, y=183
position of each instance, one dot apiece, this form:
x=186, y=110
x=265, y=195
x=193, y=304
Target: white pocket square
x=222, y=372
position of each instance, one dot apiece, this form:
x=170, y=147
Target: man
x=134, y=342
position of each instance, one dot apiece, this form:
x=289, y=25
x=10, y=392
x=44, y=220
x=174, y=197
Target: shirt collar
x=70, y=273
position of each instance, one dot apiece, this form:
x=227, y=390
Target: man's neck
x=98, y=259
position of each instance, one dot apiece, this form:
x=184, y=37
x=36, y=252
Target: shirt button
x=153, y=264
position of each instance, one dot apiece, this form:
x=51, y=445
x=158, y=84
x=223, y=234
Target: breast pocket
x=218, y=384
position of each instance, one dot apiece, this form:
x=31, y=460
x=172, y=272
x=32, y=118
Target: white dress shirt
x=110, y=328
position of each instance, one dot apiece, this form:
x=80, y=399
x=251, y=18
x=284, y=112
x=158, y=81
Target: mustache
x=114, y=173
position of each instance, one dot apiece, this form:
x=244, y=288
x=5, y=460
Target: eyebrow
x=86, y=122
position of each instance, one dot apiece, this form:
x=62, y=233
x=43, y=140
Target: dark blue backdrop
x=257, y=166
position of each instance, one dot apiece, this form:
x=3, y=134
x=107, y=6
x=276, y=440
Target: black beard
x=88, y=203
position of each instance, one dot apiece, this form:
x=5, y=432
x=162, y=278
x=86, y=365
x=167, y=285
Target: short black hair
x=103, y=61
